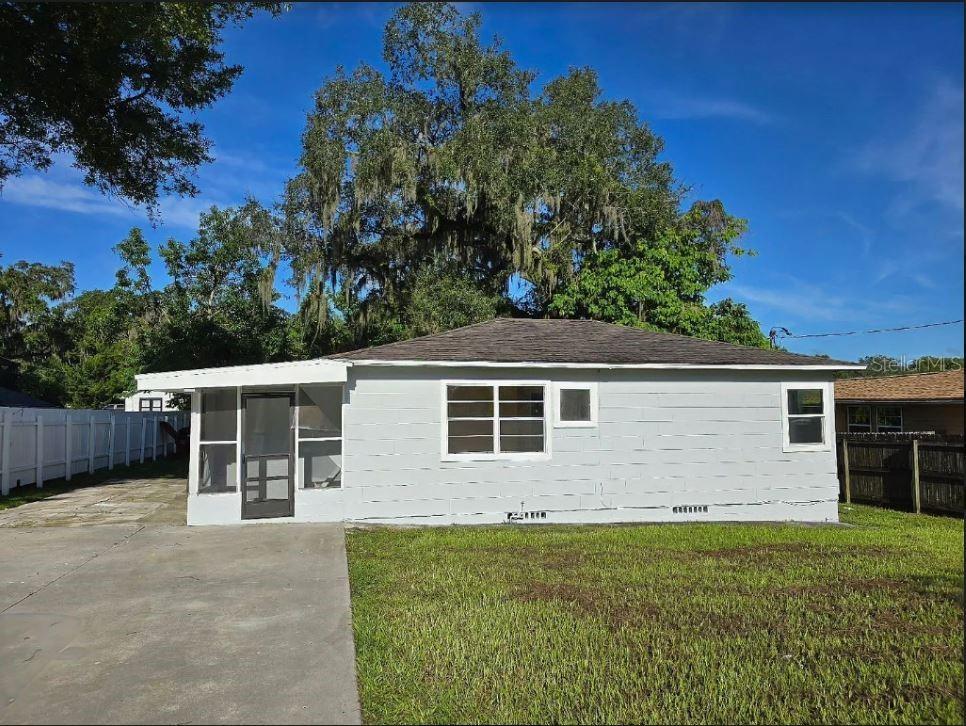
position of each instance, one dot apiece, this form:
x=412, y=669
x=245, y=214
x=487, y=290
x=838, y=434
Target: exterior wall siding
x=664, y=439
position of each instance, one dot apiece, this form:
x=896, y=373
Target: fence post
x=68, y=447
x=154, y=438
x=110, y=441
x=39, y=450
x=143, y=422
x=845, y=463
x=127, y=440
x=5, y=419
x=90, y=445
x=916, y=501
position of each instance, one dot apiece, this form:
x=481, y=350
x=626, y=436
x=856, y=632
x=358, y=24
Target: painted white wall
x=664, y=438
x=132, y=402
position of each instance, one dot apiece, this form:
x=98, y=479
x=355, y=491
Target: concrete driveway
x=112, y=613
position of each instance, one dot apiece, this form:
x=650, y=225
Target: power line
x=786, y=333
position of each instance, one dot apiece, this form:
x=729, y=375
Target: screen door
x=268, y=482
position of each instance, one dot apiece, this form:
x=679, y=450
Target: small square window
x=576, y=404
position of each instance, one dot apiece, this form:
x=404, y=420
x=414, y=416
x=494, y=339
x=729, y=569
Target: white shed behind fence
x=39, y=444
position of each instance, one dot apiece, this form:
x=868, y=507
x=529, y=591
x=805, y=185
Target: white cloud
x=71, y=195
x=807, y=302
x=672, y=107
x=926, y=156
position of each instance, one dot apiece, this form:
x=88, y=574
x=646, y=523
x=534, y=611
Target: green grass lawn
x=662, y=623
x=170, y=466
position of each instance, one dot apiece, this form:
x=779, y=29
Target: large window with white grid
x=502, y=420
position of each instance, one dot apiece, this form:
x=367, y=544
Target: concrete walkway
x=124, y=617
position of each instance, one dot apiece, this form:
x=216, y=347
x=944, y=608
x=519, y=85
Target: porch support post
x=238, y=441
x=194, y=439
x=295, y=461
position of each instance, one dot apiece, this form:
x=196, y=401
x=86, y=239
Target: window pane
x=482, y=427
x=859, y=416
x=320, y=464
x=516, y=409
x=217, y=472
x=521, y=393
x=888, y=418
x=521, y=428
x=218, y=415
x=469, y=393
x=574, y=404
x=470, y=409
x=805, y=400
x=806, y=430
x=320, y=411
x=516, y=444
x=471, y=444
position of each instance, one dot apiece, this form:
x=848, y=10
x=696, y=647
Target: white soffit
x=265, y=374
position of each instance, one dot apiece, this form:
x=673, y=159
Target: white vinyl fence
x=38, y=444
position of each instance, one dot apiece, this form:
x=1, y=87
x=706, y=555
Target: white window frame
x=496, y=455
x=558, y=389
x=828, y=434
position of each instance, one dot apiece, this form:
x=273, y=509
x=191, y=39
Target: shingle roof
x=513, y=340
x=942, y=386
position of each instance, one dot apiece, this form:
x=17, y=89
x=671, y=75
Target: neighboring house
x=915, y=402
x=516, y=420
x=16, y=399
x=149, y=401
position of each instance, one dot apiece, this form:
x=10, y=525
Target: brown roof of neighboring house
x=942, y=386
x=518, y=340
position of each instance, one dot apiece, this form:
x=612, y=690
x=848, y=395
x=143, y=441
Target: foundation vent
x=525, y=516
x=691, y=509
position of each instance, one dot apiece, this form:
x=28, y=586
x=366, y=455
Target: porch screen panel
x=219, y=415
x=218, y=472
x=217, y=452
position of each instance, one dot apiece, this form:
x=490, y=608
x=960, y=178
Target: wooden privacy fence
x=38, y=444
x=906, y=471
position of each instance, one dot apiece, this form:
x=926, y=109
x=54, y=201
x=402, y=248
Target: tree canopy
x=446, y=189
x=110, y=84
x=451, y=160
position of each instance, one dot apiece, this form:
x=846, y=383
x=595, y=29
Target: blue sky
x=836, y=130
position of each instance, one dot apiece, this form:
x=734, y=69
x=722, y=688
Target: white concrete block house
x=514, y=420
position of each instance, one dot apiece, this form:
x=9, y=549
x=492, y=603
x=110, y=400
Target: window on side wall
x=859, y=419
x=499, y=420
x=804, y=417
x=888, y=419
x=150, y=404
x=576, y=404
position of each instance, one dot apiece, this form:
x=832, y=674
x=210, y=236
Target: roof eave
x=837, y=366
x=318, y=370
